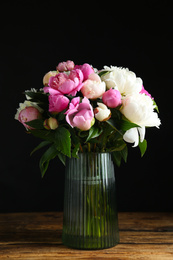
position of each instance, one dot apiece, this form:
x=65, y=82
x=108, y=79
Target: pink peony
x=112, y=98
x=57, y=103
x=28, y=114
x=86, y=70
x=143, y=91
x=65, y=66
x=93, y=87
x=64, y=84
x=80, y=115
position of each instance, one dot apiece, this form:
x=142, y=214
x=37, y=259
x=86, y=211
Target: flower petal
x=141, y=131
x=131, y=136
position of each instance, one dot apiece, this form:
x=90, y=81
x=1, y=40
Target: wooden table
x=38, y=236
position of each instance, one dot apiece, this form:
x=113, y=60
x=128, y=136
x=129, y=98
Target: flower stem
x=81, y=148
x=89, y=147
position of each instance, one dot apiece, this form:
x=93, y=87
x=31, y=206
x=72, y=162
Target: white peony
x=102, y=113
x=122, y=79
x=139, y=109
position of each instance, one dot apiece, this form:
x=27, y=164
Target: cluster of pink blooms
x=79, y=78
x=67, y=81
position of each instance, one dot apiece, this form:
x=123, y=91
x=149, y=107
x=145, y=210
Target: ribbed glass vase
x=90, y=212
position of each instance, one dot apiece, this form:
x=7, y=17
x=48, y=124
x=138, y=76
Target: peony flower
x=27, y=103
x=28, y=114
x=57, y=103
x=65, y=84
x=102, y=113
x=132, y=135
x=139, y=109
x=122, y=79
x=80, y=115
x=93, y=87
x=112, y=98
x=51, y=123
x=65, y=66
x=144, y=91
x=86, y=70
x=47, y=77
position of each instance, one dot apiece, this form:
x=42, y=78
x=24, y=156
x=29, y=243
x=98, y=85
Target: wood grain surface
x=143, y=235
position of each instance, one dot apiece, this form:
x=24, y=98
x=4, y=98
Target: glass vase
x=90, y=209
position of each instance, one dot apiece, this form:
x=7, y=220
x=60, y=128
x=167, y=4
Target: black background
x=35, y=37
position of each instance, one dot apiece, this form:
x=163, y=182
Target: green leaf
x=41, y=145
x=118, y=155
x=156, y=106
x=117, y=146
x=50, y=154
x=124, y=153
x=39, y=97
x=36, y=123
x=44, y=134
x=103, y=72
x=94, y=132
x=126, y=124
x=63, y=141
x=112, y=123
x=117, y=158
x=61, y=116
x=62, y=157
x=143, y=147
x=75, y=150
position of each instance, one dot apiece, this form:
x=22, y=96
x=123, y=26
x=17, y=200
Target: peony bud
x=47, y=77
x=102, y=113
x=65, y=66
x=112, y=98
x=51, y=123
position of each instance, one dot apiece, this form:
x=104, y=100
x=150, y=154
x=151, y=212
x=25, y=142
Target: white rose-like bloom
x=139, y=109
x=122, y=79
x=102, y=113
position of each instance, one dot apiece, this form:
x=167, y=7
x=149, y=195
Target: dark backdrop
x=34, y=38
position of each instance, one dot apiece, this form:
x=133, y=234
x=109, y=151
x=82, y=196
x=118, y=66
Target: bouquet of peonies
x=81, y=109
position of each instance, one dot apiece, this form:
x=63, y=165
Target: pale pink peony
x=57, y=103
x=112, y=98
x=64, y=84
x=65, y=66
x=80, y=115
x=28, y=114
x=93, y=87
x=86, y=70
